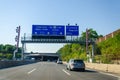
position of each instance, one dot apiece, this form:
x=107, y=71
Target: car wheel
x=70, y=69
x=83, y=70
x=66, y=67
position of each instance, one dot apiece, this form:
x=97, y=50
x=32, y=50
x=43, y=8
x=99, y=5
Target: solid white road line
x=110, y=74
x=66, y=72
x=31, y=71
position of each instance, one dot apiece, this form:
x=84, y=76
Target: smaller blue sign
x=72, y=30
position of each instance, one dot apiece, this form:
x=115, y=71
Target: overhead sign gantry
x=53, y=34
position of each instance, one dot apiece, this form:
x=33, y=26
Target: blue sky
x=101, y=15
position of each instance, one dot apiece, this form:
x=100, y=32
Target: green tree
x=1, y=56
x=9, y=56
x=110, y=49
x=72, y=51
x=9, y=48
x=91, y=34
x=1, y=48
x=6, y=51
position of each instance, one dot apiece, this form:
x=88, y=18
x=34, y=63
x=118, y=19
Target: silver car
x=59, y=61
x=76, y=64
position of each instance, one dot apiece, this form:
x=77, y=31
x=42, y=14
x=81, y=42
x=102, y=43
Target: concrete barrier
x=7, y=64
x=113, y=68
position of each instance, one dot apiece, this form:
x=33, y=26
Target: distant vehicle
x=76, y=64
x=55, y=61
x=59, y=61
x=33, y=59
x=48, y=60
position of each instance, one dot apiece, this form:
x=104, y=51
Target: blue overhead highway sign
x=48, y=30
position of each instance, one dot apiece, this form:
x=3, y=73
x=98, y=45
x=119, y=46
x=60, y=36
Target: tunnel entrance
x=42, y=56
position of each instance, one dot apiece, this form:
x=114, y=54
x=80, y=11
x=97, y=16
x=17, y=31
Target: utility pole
x=87, y=52
x=90, y=55
x=16, y=40
x=86, y=41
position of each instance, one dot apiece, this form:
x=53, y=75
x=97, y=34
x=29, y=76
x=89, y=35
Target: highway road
x=50, y=71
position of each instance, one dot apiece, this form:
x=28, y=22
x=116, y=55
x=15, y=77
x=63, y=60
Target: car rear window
x=78, y=61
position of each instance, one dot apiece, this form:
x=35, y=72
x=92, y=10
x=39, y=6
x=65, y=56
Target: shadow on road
x=91, y=71
x=88, y=71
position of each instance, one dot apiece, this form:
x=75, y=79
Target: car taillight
x=72, y=64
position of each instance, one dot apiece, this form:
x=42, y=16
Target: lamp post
x=16, y=40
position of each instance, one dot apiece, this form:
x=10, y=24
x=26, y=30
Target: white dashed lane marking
x=31, y=71
x=66, y=72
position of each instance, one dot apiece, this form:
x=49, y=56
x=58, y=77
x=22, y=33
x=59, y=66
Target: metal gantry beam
x=30, y=40
x=25, y=40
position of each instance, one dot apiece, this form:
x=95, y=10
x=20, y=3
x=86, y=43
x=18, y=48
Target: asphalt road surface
x=50, y=71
